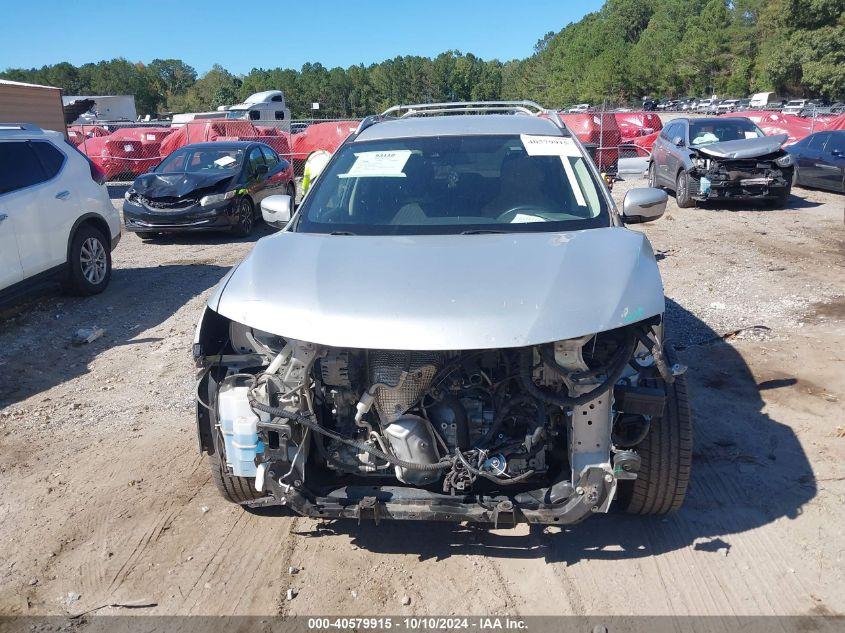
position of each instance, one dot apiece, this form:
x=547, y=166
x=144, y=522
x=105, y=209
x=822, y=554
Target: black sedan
x=207, y=186
x=820, y=160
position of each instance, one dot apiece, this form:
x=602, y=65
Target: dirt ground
x=104, y=498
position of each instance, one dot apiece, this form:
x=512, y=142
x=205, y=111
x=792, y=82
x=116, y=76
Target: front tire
x=89, y=262
x=652, y=176
x=245, y=217
x=666, y=454
x=682, y=192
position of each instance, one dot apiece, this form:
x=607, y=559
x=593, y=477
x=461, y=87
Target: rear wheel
x=666, y=454
x=245, y=217
x=682, y=192
x=89, y=262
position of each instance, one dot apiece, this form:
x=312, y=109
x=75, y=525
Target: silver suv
x=454, y=325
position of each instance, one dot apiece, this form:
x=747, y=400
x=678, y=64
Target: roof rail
x=31, y=127
x=531, y=108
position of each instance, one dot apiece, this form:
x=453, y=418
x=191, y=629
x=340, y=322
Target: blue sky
x=242, y=34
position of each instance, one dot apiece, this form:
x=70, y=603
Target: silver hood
x=744, y=148
x=443, y=292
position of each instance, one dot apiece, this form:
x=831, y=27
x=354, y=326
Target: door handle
x=63, y=195
x=3, y=216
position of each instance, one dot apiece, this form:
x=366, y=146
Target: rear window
x=51, y=158
x=455, y=184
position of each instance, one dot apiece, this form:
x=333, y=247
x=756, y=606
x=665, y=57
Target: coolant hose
x=613, y=371
x=308, y=422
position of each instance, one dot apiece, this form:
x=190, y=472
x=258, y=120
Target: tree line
x=625, y=51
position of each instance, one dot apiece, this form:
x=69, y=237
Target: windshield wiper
x=482, y=232
x=341, y=233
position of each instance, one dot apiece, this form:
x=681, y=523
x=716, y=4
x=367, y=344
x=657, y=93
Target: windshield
x=202, y=160
x=237, y=114
x=454, y=184
x=706, y=132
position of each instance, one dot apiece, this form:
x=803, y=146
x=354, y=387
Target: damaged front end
x=540, y=434
x=749, y=169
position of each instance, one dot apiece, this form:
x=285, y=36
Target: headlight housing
x=130, y=193
x=216, y=197
x=701, y=163
x=785, y=161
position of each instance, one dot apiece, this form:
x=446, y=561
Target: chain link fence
x=125, y=150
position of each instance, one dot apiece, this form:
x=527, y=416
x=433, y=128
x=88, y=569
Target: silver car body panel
x=443, y=292
x=744, y=148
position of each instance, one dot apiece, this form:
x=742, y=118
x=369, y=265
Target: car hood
x=744, y=148
x=443, y=292
x=175, y=185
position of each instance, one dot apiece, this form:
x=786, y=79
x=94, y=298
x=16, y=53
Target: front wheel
x=666, y=454
x=89, y=262
x=244, y=217
x=652, y=175
x=781, y=200
x=682, y=192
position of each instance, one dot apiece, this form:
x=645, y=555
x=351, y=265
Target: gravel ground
x=105, y=500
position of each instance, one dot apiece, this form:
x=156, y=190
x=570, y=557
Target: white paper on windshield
x=150, y=137
x=224, y=161
x=751, y=135
x=549, y=146
x=523, y=218
x=557, y=146
x=387, y=164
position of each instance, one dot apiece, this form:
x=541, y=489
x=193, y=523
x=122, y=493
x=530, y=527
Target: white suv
x=56, y=218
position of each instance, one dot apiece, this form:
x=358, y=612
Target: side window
x=817, y=141
x=836, y=142
x=670, y=131
x=664, y=133
x=51, y=158
x=255, y=159
x=254, y=115
x=280, y=115
x=19, y=166
x=270, y=157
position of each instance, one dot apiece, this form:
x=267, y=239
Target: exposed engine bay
x=767, y=176
x=538, y=434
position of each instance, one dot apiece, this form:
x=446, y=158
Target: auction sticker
x=388, y=164
x=549, y=146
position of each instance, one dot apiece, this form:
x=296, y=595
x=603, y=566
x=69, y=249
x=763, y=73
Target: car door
x=831, y=163
x=38, y=204
x=256, y=175
x=659, y=150
x=809, y=160
x=675, y=154
x=10, y=261
x=276, y=177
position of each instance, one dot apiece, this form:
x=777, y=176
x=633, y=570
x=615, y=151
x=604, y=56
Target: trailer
x=31, y=103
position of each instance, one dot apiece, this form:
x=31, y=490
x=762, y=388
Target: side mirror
x=678, y=141
x=644, y=204
x=837, y=153
x=276, y=210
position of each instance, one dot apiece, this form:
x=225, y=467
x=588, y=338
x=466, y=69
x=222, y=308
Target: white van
x=764, y=100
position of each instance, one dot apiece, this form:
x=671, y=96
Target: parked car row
x=763, y=101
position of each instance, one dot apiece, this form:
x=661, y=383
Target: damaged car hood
x=176, y=185
x=443, y=292
x=744, y=148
